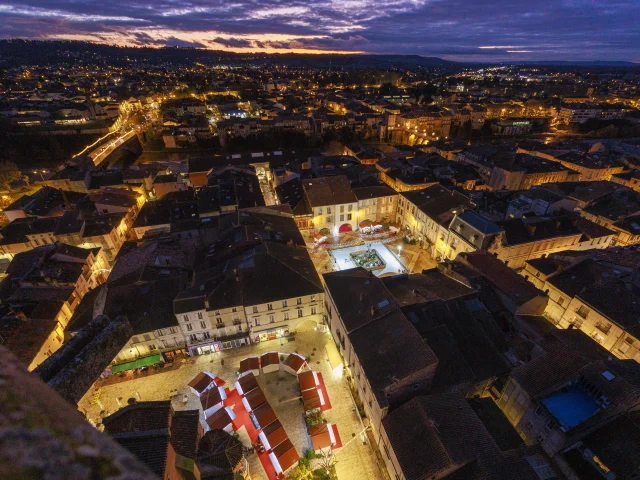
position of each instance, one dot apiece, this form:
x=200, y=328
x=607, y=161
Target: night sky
x=482, y=30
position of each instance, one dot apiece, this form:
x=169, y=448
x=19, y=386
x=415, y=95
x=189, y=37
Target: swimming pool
x=572, y=406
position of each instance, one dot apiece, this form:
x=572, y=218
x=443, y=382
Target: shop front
x=272, y=333
x=218, y=344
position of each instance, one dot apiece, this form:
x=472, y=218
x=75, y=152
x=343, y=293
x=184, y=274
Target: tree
x=9, y=173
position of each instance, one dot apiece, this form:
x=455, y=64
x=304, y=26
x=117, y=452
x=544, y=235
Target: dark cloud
x=177, y=42
x=233, y=42
x=455, y=29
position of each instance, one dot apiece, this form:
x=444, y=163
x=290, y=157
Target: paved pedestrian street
x=354, y=459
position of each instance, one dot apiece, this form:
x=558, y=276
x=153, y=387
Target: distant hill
x=37, y=52
x=32, y=52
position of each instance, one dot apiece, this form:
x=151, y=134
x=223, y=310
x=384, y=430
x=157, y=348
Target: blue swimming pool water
x=571, y=407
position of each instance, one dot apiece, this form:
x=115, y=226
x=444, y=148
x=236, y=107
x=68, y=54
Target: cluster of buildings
x=461, y=360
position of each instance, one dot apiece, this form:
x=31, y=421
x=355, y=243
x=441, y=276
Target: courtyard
x=373, y=256
x=354, y=460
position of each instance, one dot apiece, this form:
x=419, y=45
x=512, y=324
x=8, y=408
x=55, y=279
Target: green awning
x=137, y=363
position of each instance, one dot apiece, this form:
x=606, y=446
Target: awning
x=139, y=362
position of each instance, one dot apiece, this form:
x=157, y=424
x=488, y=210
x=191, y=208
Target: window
x=329, y=210
x=583, y=311
x=539, y=411
x=299, y=301
x=206, y=335
x=342, y=218
x=200, y=316
x=271, y=319
x=540, y=438
x=350, y=207
x=152, y=347
x=329, y=220
x=341, y=209
x=164, y=344
x=219, y=320
x=551, y=424
x=217, y=312
x=286, y=315
x=234, y=309
x=560, y=301
x=269, y=306
x=146, y=337
x=134, y=339
x=239, y=328
x=386, y=450
x=348, y=216
x=185, y=318
x=299, y=312
x=189, y=327
x=312, y=298
x=313, y=310
x=528, y=425
x=203, y=324
x=284, y=303
x=256, y=321
x=319, y=211
x=255, y=309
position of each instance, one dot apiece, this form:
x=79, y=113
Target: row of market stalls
x=270, y=362
x=375, y=227
x=273, y=438
x=246, y=405
x=210, y=390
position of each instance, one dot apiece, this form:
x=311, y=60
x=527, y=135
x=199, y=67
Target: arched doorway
x=345, y=227
x=307, y=326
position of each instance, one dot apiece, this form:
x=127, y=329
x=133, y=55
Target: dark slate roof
x=461, y=326
x=438, y=203
x=291, y=193
x=267, y=272
x=526, y=230
x=328, y=191
x=614, y=300
x=140, y=417
x=359, y=296
x=617, y=445
x=390, y=349
x=447, y=430
x=218, y=455
x=504, y=278
x=364, y=193
x=150, y=447
x=185, y=426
